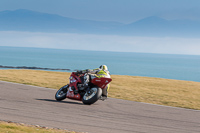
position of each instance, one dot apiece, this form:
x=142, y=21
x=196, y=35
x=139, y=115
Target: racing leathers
x=97, y=73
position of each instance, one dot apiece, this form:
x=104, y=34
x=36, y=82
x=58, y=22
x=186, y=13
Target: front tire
x=61, y=93
x=93, y=96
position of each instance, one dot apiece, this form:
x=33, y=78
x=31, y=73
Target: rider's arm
x=94, y=71
x=84, y=71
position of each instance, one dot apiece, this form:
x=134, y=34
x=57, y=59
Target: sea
x=168, y=66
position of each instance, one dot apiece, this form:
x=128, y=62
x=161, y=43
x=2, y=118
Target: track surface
x=37, y=106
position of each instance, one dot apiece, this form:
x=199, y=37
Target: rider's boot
x=74, y=89
x=82, y=86
x=104, y=94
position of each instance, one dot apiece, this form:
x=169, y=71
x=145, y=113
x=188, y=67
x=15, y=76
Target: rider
x=102, y=71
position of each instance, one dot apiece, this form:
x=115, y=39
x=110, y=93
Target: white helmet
x=103, y=67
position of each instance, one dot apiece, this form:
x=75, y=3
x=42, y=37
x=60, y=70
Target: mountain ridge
x=33, y=21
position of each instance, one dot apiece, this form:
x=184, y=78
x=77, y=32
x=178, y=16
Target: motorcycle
x=88, y=94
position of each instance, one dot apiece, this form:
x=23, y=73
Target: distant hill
x=155, y=26
x=26, y=20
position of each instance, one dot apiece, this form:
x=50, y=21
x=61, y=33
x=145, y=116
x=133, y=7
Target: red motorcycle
x=75, y=90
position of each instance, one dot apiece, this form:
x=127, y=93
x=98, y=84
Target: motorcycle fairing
x=101, y=82
x=70, y=94
x=74, y=79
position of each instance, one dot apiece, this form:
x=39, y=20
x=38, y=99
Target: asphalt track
x=37, y=106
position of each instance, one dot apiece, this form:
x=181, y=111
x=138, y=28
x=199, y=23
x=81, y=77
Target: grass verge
x=167, y=92
x=9, y=127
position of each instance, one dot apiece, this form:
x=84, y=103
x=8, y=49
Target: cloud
x=165, y=45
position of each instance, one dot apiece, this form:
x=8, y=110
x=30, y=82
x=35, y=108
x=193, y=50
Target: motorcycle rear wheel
x=93, y=96
x=61, y=93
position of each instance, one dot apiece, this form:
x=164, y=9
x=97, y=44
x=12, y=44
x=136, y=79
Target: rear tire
x=93, y=96
x=61, y=93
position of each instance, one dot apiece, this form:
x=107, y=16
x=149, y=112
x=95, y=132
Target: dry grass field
x=6, y=127
x=177, y=93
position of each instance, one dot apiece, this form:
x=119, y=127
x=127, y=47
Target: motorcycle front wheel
x=61, y=93
x=92, y=96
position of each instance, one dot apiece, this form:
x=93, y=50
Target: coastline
x=69, y=71
x=38, y=68
x=180, y=67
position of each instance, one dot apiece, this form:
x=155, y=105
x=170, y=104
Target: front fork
x=65, y=88
x=88, y=90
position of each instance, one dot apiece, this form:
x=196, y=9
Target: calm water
x=182, y=67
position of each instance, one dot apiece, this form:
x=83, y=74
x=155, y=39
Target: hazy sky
x=165, y=45
x=125, y=11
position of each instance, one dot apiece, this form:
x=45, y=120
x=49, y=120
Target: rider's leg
x=105, y=91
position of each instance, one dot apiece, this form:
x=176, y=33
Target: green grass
x=6, y=127
x=176, y=93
